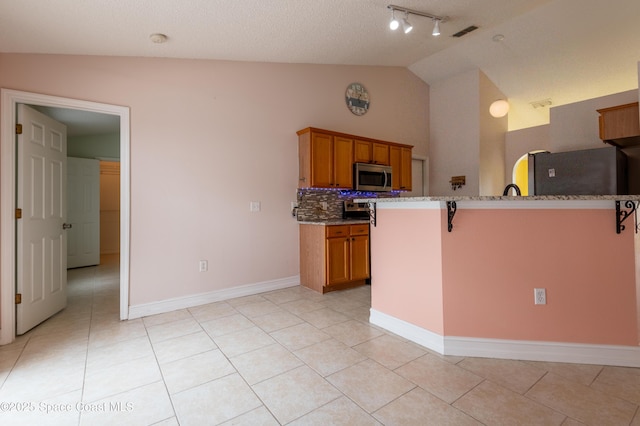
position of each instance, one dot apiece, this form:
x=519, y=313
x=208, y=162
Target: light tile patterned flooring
x=285, y=357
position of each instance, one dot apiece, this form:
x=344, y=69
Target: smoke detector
x=158, y=38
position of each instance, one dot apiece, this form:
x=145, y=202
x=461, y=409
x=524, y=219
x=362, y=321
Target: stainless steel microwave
x=371, y=177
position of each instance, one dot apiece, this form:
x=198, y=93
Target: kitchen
x=421, y=287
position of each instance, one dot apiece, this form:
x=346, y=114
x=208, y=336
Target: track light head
x=394, y=24
x=406, y=26
x=436, y=28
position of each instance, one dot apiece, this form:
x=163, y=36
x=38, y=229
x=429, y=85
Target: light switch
x=254, y=206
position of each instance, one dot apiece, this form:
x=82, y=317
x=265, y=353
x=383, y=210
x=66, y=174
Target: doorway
x=9, y=101
x=419, y=177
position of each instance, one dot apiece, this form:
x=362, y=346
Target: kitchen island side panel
x=406, y=266
x=494, y=259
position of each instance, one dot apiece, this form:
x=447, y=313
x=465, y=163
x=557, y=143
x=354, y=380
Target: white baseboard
x=168, y=305
x=407, y=330
x=577, y=353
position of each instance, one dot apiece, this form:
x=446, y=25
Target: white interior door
x=83, y=212
x=41, y=261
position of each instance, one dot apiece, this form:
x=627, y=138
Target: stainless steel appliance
x=353, y=210
x=599, y=171
x=371, y=177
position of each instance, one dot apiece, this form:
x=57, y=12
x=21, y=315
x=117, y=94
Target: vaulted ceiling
x=563, y=50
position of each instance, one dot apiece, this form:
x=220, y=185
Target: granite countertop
x=333, y=222
x=503, y=198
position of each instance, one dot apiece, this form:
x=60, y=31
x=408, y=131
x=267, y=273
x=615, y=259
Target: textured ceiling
x=566, y=50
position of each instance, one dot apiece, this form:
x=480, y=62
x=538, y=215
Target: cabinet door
x=321, y=160
x=405, y=169
x=342, y=162
x=337, y=260
x=362, y=151
x=359, y=257
x=395, y=158
x=380, y=153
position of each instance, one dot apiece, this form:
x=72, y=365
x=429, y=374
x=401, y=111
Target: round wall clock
x=357, y=99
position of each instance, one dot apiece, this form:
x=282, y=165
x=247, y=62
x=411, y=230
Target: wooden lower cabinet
x=334, y=257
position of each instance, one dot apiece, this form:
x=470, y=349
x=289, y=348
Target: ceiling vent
x=465, y=31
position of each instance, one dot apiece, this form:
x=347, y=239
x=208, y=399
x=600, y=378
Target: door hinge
x=18, y=213
x=18, y=298
x=18, y=129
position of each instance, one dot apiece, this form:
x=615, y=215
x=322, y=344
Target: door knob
x=66, y=225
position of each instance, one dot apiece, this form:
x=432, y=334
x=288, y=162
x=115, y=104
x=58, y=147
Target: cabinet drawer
x=360, y=229
x=337, y=231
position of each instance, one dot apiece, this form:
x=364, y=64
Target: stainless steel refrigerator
x=599, y=171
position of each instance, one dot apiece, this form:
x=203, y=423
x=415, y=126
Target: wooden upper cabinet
x=325, y=161
x=325, y=158
x=620, y=125
x=322, y=160
x=362, y=151
x=371, y=152
x=342, y=162
x=400, y=158
x=380, y=153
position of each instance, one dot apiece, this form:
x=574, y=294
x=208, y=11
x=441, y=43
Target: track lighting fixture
x=394, y=24
x=406, y=26
x=436, y=28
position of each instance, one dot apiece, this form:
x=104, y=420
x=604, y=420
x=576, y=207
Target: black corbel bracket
x=372, y=214
x=622, y=215
x=451, y=212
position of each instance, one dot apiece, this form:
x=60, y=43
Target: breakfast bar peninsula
x=548, y=278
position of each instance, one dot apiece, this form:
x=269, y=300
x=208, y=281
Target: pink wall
x=208, y=137
x=491, y=263
x=406, y=255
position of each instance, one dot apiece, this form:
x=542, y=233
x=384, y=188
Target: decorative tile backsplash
x=310, y=202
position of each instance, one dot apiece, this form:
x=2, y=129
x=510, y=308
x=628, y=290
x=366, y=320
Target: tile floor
x=285, y=357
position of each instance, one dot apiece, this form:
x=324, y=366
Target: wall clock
x=357, y=99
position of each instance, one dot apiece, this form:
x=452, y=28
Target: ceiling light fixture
x=499, y=108
x=436, y=28
x=394, y=24
x=406, y=26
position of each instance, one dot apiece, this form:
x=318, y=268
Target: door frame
x=9, y=100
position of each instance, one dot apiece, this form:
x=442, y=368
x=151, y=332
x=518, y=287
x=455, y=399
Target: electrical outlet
x=324, y=205
x=254, y=206
x=203, y=266
x=539, y=296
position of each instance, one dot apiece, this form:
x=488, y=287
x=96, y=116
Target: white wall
x=94, y=146
x=575, y=126
x=465, y=140
x=454, y=134
x=492, y=140
x=208, y=137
